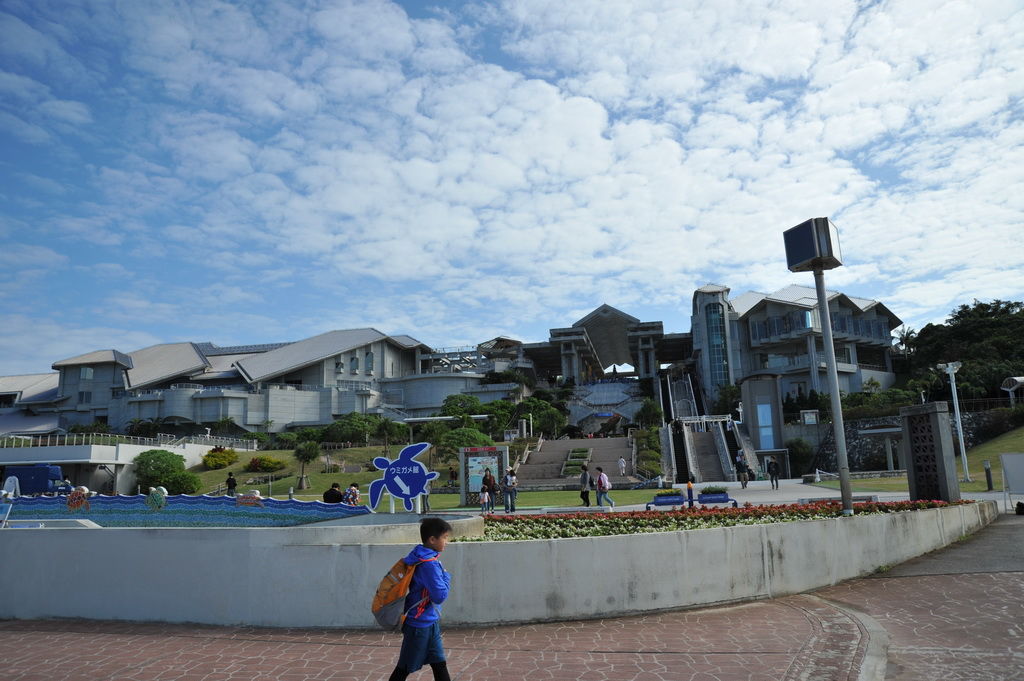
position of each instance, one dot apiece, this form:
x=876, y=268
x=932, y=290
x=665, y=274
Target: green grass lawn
x=1012, y=441
x=319, y=482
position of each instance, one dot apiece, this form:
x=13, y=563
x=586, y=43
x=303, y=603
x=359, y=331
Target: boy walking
x=421, y=633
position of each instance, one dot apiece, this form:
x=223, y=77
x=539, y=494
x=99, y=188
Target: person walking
x=773, y=472
x=742, y=471
x=431, y=583
x=232, y=484
x=586, y=482
x=622, y=466
x=509, y=485
x=425, y=499
x=603, y=485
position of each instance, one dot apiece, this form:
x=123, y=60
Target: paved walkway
x=956, y=615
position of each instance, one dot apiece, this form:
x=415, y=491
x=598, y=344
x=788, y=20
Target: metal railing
x=77, y=439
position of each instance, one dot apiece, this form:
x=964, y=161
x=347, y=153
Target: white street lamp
x=951, y=368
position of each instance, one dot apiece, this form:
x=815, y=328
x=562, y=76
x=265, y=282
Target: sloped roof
x=164, y=361
x=32, y=387
x=409, y=342
x=302, y=353
x=221, y=366
x=608, y=330
x=209, y=349
x=23, y=423
x=806, y=297
x=97, y=357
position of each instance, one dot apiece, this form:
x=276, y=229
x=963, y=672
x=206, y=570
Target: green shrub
x=264, y=464
x=262, y=439
x=182, y=482
x=801, y=455
x=573, y=470
x=219, y=457
x=286, y=440
x=154, y=468
x=670, y=493
x=714, y=489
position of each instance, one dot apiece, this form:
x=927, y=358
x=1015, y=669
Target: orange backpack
x=389, y=601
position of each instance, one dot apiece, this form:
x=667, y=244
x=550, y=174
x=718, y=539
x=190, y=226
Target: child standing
x=485, y=500
x=421, y=633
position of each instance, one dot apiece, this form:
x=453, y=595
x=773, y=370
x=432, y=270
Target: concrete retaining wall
x=286, y=577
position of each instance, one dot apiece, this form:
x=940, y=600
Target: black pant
x=775, y=480
x=585, y=496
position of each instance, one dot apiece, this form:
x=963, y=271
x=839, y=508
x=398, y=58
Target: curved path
x=957, y=614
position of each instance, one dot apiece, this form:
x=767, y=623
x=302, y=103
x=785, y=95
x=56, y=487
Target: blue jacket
x=429, y=581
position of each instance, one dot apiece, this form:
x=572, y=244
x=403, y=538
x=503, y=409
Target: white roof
x=161, y=362
x=97, y=357
x=302, y=353
x=23, y=423
x=31, y=387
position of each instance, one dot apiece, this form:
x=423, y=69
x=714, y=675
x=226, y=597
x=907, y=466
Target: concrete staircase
x=709, y=466
x=543, y=468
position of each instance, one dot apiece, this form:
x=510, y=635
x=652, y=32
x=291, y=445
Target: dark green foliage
x=285, y=440
x=432, y=432
x=728, y=399
x=461, y=437
x=649, y=413
x=986, y=337
x=94, y=427
x=154, y=468
x=460, y=405
x=182, y=482
x=310, y=434
x=353, y=427
x=507, y=377
x=262, y=439
x=801, y=456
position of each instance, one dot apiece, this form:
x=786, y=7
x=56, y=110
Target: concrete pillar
x=888, y=453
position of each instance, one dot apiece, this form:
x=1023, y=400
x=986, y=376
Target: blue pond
x=182, y=510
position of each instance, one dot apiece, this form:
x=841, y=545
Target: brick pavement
x=917, y=622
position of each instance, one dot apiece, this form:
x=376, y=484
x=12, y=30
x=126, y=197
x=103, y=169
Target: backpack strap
x=426, y=598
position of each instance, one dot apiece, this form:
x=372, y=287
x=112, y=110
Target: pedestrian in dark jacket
x=421, y=633
x=586, y=482
x=773, y=472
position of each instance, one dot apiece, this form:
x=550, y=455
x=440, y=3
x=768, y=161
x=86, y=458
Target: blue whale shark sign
x=405, y=478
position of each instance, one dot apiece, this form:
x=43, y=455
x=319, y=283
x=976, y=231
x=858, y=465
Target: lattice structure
x=931, y=470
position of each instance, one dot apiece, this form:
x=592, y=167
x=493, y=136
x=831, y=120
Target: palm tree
x=224, y=426
x=387, y=430
x=307, y=452
x=905, y=339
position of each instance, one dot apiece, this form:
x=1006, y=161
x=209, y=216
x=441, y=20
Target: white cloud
x=610, y=151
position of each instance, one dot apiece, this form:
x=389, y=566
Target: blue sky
x=261, y=172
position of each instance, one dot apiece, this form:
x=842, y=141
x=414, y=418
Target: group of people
x=598, y=482
x=746, y=474
x=489, y=491
x=335, y=496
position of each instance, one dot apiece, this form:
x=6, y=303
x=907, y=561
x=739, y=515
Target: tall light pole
x=951, y=368
x=813, y=246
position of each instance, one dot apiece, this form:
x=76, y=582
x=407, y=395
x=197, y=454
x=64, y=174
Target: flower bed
x=559, y=526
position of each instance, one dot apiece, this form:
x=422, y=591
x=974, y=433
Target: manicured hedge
x=511, y=528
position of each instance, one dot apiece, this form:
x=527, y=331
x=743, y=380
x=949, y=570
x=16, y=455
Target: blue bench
x=667, y=500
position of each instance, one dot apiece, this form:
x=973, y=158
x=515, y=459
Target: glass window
x=369, y=362
x=85, y=374
x=717, y=351
x=84, y=397
x=353, y=364
x=764, y=426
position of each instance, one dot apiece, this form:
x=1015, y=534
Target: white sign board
x=1013, y=476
